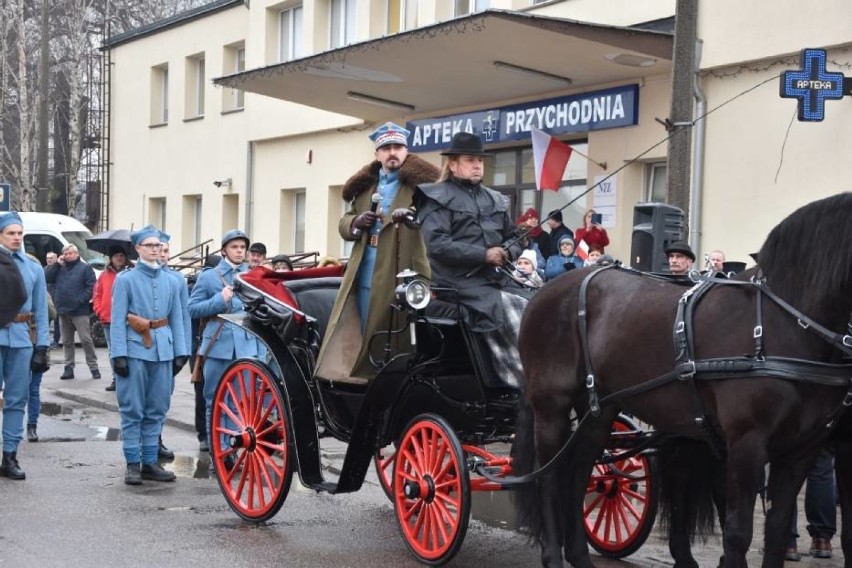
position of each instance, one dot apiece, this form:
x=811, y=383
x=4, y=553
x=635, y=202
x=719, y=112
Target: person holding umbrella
x=102, y=296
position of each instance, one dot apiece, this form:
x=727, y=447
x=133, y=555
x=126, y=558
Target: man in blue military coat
x=213, y=294
x=163, y=452
x=148, y=347
x=23, y=343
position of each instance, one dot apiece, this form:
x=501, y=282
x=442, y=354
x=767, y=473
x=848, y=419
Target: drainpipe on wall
x=696, y=192
x=249, y=188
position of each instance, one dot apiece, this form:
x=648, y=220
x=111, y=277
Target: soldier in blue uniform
x=163, y=452
x=148, y=348
x=23, y=343
x=212, y=295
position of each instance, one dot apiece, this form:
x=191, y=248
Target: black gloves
x=178, y=363
x=39, y=362
x=365, y=220
x=119, y=365
x=569, y=266
x=404, y=215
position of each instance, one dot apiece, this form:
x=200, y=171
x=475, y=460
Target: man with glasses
x=148, y=349
x=74, y=284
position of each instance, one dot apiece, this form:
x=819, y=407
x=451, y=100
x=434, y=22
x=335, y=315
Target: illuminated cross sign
x=813, y=85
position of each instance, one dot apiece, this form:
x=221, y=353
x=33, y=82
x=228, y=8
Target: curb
x=112, y=407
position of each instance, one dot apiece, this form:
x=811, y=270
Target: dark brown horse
x=752, y=418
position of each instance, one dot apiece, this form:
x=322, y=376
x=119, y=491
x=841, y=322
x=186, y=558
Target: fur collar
x=414, y=171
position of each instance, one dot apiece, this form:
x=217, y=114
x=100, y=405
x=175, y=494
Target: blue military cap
x=165, y=237
x=389, y=133
x=144, y=233
x=235, y=234
x=10, y=218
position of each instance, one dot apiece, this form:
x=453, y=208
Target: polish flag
x=582, y=250
x=551, y=157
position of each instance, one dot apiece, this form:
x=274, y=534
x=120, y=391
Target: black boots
x=32, y=435
x=68, y=373
x=10, y=468
x=163, y=452
x=154, y=472
x=133, y=475
x=110, y=387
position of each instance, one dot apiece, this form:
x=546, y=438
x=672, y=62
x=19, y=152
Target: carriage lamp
x=414, y=292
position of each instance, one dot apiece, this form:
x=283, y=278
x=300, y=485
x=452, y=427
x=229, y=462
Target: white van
x=49, y=232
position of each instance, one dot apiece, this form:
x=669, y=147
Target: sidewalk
x=85, y=390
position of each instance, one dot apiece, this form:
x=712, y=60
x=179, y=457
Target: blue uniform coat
x=206, y=302
x=149, y=293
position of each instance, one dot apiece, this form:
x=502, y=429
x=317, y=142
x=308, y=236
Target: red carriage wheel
x=431, y=490
x=621, y=501
x=384, y=459
x=250, y=440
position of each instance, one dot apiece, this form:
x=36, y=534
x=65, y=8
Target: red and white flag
x=551, y=157
x=582, y=250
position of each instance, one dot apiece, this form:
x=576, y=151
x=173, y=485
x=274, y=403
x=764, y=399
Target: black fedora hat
x=465, y=144
x=681, y=247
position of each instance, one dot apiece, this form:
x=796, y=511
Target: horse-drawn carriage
x=433, y=422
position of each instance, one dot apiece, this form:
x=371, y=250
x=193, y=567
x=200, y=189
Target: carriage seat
x=316, y=298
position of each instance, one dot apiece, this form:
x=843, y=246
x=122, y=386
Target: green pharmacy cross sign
x=813, y=85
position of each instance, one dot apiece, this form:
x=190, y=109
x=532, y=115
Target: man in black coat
x=74, y=282
x=468, y=231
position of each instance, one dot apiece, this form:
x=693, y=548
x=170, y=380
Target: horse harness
x=689, y=370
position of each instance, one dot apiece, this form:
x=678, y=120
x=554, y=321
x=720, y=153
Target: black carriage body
x=447, y=374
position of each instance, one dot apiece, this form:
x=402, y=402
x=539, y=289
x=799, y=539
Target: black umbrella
x=115, y=238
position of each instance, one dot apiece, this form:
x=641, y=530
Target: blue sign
x=597, y=110
x=5, y=197
x=813, y=85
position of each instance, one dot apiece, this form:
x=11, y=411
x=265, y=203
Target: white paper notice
x=605, y=200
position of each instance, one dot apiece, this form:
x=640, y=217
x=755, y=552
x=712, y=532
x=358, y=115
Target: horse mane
x=811, y=251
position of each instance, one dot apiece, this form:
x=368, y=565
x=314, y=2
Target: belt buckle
x=374, y=240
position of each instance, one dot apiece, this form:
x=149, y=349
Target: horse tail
x=527, y=496
x=688, y=473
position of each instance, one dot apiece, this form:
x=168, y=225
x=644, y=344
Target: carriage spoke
x=594, y=504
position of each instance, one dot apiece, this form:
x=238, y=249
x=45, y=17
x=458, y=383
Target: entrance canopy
x=462, y=63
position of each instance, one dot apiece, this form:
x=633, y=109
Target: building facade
x=299, y=84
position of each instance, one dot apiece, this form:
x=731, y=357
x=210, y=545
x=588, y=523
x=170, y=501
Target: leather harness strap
x=691, y=370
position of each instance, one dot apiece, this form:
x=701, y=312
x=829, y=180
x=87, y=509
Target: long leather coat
x=344, y=355
x=459, y=222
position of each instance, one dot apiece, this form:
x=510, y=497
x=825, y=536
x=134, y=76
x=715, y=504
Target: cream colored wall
x=611, y=12
x=735, y=31
x=180, y=158
x=756, y=172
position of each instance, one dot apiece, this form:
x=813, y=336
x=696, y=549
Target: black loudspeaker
x=655, y=226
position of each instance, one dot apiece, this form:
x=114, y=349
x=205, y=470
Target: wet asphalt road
x=74, y=510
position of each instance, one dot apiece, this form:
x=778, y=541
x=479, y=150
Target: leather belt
x=143, y=326
x=25, y=318
x=373, y=241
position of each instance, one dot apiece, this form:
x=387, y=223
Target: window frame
x=346, y=32
x=295, y=29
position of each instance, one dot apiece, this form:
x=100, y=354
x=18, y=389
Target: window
x=299, y=224
x=195, y=85
x=233, y=61
x=290, y=34
x=157, y=212
x=656, y=175
x=512, y=173
x=292, y=220
x=230, y=212
x=464, y=7
x=191, y=221
x=402, y=15
x=342, y=23
x=160, y=94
